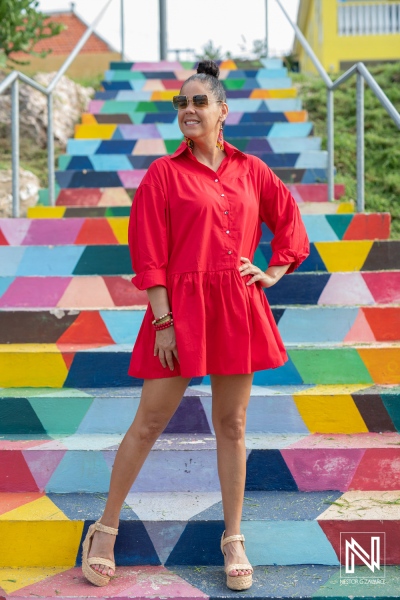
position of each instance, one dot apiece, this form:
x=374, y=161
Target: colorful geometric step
x=159, y=147
x=120, y=162
x=74, y=365
x=117, y=80
x=114, y=229
x=275, y=410
x=168, y=131
x=233, y=118
x=287, y=462
x=309, y=325
x=114, y=259
x=181, y=75
x=115, y=91
x=95, y=292
x=164, y=65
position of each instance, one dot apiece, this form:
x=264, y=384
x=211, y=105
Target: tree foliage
x=22, y=25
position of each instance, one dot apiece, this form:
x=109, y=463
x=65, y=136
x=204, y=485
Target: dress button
x=227, y=231
x=222, y=194
x=226, y=212
x=216, y=180
x=229, y=251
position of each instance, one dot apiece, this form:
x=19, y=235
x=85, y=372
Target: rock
x=69, y=100
x=28, y=192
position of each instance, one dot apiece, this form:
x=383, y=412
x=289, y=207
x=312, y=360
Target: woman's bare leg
x=159, y=400
x=230, y=398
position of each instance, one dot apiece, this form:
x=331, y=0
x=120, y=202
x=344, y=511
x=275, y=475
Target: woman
x=194, y=227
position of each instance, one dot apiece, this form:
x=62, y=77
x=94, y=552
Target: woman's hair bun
x=209, y=67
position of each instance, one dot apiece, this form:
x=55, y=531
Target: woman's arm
x=158, y=298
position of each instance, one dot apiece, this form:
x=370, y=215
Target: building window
x=368, y=18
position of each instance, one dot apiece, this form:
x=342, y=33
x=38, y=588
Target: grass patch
x=382, y=138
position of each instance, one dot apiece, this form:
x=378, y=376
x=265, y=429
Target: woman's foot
x=234, y=554
x=102, y=545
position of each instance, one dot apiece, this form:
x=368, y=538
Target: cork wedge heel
x=91, y=575
x=236, y=582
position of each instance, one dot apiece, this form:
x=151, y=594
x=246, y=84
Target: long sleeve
x=147, y=237
x=279, y=211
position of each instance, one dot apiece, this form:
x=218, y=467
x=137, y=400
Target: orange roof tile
x=66, y=41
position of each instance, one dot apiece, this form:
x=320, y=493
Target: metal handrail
x=13, y=80
x=363, y=74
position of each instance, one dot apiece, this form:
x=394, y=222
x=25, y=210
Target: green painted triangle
x=233, y=84
x=117, y=211
x=137, y=117
x=339, y=223
x=330, y=365
x=63, y=161
x=147, y=107
x=259, y=260
x=240, y=143
x=61, y=415
x=44, y=195
x=187, y=64
x=172, y=145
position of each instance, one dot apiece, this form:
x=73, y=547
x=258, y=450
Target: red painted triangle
x=3, y=241
x=88, y=328
x=68, y=358
x=96, y=231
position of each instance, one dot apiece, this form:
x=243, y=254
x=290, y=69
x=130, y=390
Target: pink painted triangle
x=360, y=331
x=14, y=230
x=42, y=464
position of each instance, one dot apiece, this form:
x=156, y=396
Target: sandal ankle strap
x=231, y=538
x=105, y=529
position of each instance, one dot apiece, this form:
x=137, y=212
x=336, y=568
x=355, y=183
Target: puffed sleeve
x=147, y=237
x=279, y=211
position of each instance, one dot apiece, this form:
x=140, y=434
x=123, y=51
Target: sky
x=191, y=24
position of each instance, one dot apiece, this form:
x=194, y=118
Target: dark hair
x=208, y=72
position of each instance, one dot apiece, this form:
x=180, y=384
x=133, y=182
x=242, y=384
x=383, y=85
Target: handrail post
x=15, y=146
x=122, y=32
x=330, y=144
x=50, y=150
x=360, y=144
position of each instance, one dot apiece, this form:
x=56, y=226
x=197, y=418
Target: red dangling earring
x=220, y=139
x=189, y=143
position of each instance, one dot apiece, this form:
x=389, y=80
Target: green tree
x=209, y=52
x=22, y=25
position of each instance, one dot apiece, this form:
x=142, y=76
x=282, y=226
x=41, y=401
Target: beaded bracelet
x=165, y=325
x=162, y=317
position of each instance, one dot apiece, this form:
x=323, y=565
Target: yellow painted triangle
x=324, y=414
x=40, y=509
x=344, y=256
x=119, y=225
x=99, y=131
x=13, y=578
x=88, y=119
x=228, y=64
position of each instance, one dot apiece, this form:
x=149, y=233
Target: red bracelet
x=164, y=325
x=162, y=317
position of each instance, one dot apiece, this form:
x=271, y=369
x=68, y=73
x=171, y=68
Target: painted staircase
x=323, y=443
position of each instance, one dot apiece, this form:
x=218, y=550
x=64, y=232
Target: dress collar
x=229, y=149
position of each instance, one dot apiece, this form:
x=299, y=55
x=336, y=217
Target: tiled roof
x=65, y=42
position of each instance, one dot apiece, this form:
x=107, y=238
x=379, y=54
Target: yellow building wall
x=332, y=48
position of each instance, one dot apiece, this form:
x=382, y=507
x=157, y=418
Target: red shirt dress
x=188, y=228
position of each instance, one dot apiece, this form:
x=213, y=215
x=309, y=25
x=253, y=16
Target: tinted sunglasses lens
x=200, y=100
x=179, y=102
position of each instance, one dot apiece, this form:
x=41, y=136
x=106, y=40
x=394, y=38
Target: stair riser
x=314, y=325
x=115, y=91
x=114, y=229
x=121, y=162
x=167, y=131
x=66, y=414
x=102, y=367
x=37, y=543
x=59, y=471
x=158, y=146
x=233, y=118
x=95, y=292
x=111, y=259
x=124, y=82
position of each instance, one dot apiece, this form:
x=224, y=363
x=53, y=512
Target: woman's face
x=201, y=123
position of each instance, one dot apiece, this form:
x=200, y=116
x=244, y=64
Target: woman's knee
x=231, y=427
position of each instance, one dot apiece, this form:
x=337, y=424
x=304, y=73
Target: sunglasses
x=199, y=101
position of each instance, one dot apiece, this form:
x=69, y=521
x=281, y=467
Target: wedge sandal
x=91, y=575
x=236, y=582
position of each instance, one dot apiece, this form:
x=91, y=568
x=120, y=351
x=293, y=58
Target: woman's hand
x=267, y=278
x=165, y=347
